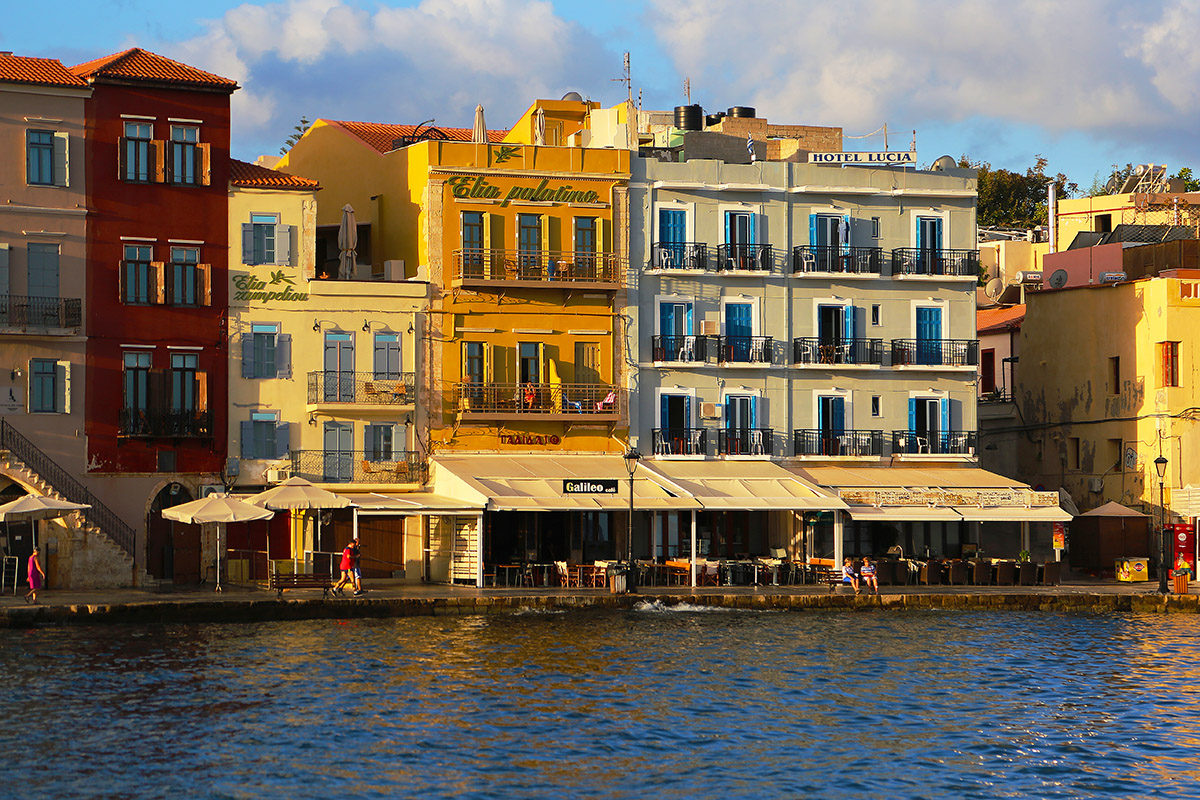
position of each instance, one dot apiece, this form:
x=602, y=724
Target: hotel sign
x=477, y=187
x=604, y=486
x=890, y=159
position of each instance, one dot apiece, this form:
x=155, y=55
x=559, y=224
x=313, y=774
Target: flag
x=750, y=147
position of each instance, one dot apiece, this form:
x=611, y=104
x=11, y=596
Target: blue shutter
x=912, y=414
x=687, y=324
x=920, y=234
x=755, y=221
x=839, y=414
x=379, y=359
x=728, y=227
x=813, y=241
x=945, y=404
x=664, y=419
x=247, y=243
x=672, y=226
x=753, y=411
x=846, y=242
x=247, y=449
x=283, y=355
x=937, y=245
x=247, y=357
x=282, y=445
x=666, y=319
x=687, y=411
x=850, y=321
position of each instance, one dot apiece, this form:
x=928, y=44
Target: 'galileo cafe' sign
x=477, y=187
x=900, y=158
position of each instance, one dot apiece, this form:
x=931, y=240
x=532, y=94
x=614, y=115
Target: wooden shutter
x=283, y=245
x=61, y=159
x=204, y=284
x=62, y=373
x=283, y=355
x=602, y=234
x=158, y=152
x=247, y=448
x=248, y=355
x=282, y=439
x=204, y=168
x=544, y=244
x=168, y=276
x=122, y=151
x=202, y=391
x=487, y=245
x=247, y=243
x=121, y=281
x=158, y=288
x=4, y=281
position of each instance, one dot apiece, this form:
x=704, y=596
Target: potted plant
x=1027, y=575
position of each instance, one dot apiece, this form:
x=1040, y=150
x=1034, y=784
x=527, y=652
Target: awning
x=743, y=486
x=1013, y=514
x=416, y=503
x=903, y=514
x=965, y=477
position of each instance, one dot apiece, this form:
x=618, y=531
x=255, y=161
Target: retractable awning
x=743, y=486
x=413, y=503
x=903, y=514
x=1010, y=514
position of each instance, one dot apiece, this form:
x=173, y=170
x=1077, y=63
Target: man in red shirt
x=349, y=560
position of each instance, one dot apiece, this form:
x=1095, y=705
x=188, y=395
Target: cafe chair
x=565, y=576
x=982, y=572
x=931, y=573
x=1006, y=573
x=1052, y=573
x=958, y=573
x=1028, y=574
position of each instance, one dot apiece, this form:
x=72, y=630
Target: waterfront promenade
x=396, y=599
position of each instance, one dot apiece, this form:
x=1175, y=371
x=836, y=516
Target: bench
x=300, y=580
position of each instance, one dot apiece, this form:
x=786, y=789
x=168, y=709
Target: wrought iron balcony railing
x=744, y=257
x=20, y=311
x=680, y=348
x=358, y=466
x=334, y=386
x=837, y=443
x=933, y=443
x=911, y=261
x=935, y=352
x=847, y=260
x=678, y=255
x=745, y=349
x=815, y=350
x=680, y=441
x=586, y=399
x=151, y=422
x=535, y=266
x=744, y=441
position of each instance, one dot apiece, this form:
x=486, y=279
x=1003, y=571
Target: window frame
x=183, y=278
x=45, y=159
x=140, y=269
x=39, y=392
x=184, y=156
x=264, y=227
x=138, y=152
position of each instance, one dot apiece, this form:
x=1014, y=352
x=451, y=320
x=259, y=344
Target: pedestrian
x=359, y=591
x=37, y=577
x=347, y=568
x=867, y=573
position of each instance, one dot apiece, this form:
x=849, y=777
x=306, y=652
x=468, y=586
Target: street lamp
x=1160, y=466
x=632, y=456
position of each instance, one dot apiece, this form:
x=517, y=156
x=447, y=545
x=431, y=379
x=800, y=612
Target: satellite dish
x=1140, y=170
x=575, y=96
x=1058, y=279
x=993, y=288
x=1112, y=186
x=944, y=163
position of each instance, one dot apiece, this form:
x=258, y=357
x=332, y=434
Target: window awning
x=743, y=486
x=1011, y=514
x=413, y=503
x=903, y=514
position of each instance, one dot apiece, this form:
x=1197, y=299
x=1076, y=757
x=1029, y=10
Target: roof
x=382, y=136
x=939, y=476
x=1112, y=509
x=242, y=173
x=744, y=485
x=1132, y=234
x=1000, y=318
x=43, y=71
x=137, y=64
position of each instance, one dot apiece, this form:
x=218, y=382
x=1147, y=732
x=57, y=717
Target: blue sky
x=1087, y=83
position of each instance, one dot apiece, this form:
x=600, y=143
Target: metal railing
x=934, y=442
x=358, y=466
x=21, y=311
x=836, y=443
x=678, y=255
x=849, y=260
x=680, y=441
x=99, y=515
x=749, y=349
x=680, y=348
x=587, y=399
x=935, y=352
x=815, y=350
x=537, y=266
x=334, y=386
x=1001, y=394
x=744, y=257
x=165, y=422
x=744, y=441
x=911, y=261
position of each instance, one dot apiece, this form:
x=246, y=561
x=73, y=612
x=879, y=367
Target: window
x=137, y=152
x=876, y=410
x=184, y=394
x=43, y=389
x=529, y=243
x=265, y=241
x=530, y=358
x=137, y=273
x=379, y=442
x=264, y=237
x=874, y=227
x=1170, y=363
x=266, y=353
x=184, y=155
x=387, y=356
x=474, y=243
x=136, y=400
x=43, y=270
x=1114, y=455
x=1114, y=375
x=987, y=371
x=39, y=158
x=263, y=436
x=1073, y=452
x=185, y=285
x=876, y=314
x=1104, y=223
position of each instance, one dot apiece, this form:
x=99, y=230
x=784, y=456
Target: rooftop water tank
x=689, y=118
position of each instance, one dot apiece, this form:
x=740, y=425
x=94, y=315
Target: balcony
x=151, y=423
x=562, y=401
x=935, y=352
x=332, y=387
x=749, y=258
x=837, y=443
x=40, y=314
x=678, y=256
x=356, y=466
x=952, y=263
x=680, y=348
x=680, y=441
x=744, y=441
x=833, y=352
x=500, y=268
x=846, y=261
x=745, y=349
x=938, y=443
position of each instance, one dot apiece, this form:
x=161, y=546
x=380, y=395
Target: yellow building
x=1146, y=198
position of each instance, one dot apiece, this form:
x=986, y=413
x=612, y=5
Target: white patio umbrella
x=347, y=243
x=297, y=494
x=33, y=507
x=539, y=128
x=479, y=131
x=217, y=507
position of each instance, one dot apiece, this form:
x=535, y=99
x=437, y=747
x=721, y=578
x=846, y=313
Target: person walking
x=37, y=577
x=349, y=553
x=359, y=591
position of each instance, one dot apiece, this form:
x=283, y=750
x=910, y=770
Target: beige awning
x=965, y=477
x=1013, y=514
x=903, y=514
x=743, y=486
x=418, y=503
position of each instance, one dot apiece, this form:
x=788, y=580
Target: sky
x=1085, y=83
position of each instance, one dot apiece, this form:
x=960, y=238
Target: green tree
x=1190, y=182
x=1010, y=199
x=297, y=132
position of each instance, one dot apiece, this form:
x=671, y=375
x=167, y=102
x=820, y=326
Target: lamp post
x=632, y=456
x=1160, y=466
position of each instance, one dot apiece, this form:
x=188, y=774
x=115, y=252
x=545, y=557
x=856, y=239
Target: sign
x=1060, y=536
x=889, y=159
x=602, y=486
x=277, y=287
x=1185, y=546
x=477, y=187
x=529, y=438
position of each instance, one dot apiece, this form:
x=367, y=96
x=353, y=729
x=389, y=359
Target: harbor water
x=659, y=702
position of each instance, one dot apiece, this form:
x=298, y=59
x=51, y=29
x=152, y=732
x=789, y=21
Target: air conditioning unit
x=392, y=270
x=710, y=410
x=277, y=475
x=1029, y=276
x=210, y=488
x=1111, y=277
x=709, y=327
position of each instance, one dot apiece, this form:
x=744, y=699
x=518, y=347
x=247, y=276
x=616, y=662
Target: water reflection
x=650, y=703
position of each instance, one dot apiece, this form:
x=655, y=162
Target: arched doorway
x=172, y=548
x=17, y=537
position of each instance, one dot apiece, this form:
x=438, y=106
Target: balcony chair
x=666, y=259
x=661, y=445
x=809, y=260
x=687, y=350
x=758, y=353
x=756, y=443
x=694, y=447
x=610, y=399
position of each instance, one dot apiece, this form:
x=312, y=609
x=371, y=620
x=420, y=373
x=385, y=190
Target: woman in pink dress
x=37, y=577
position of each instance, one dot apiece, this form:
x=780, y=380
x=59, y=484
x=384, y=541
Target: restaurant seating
x=931, y=573
x=1052, y=573
x=1028, y=573
x=885, y=571
x=982, y=572
x=566, y=577
x=1006, y=573
x=958, y=573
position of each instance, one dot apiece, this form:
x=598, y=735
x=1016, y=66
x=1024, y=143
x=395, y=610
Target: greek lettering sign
x=477, y=187
x=898, y=158
x=603, y=486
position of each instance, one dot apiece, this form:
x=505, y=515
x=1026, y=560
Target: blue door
x=831, y=420
x=339, y=367
x=675, y=435
x=929, y=335
x=739, y=327
x=929, y=245
x=672, y=236
x=339, y=452
x=676, y=342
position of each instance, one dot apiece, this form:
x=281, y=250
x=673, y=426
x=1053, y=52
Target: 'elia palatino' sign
x=893, y=159
x=477, y=187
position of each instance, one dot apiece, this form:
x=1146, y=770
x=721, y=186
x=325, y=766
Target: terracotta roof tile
x=242, y=173
x=45, y=71
x=137, y=64
x=381, y=136
x=1001, y=318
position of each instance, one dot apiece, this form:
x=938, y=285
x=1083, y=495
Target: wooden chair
x=566, y=577
x=982, y=572
x=1052, y=573
x=958, y=573
x=370, y=392
x=931, y=573
x=1006, y=573
x=1028, y=573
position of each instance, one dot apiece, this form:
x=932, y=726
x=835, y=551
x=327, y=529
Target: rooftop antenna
x=628, y=81
x=687, y=90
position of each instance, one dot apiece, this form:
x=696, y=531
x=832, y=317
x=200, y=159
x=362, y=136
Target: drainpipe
x=1052, y=214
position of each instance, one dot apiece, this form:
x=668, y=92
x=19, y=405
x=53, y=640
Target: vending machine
x=1184, y=534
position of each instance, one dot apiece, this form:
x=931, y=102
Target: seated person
x=849, y=576
x=867, y=574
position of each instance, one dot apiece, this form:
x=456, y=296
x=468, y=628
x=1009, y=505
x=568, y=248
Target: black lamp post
x=1160, y=466
x=632, y=456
